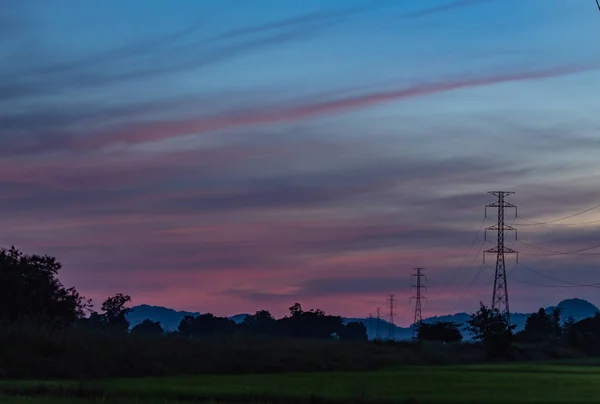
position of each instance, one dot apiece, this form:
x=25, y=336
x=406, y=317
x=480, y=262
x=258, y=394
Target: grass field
x=527, y=383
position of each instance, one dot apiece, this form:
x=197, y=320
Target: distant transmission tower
x=377, y=335
x=418, y=286
x=500, y=295
x=391, y=326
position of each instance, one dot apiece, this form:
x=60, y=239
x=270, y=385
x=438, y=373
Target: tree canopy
x=542, y=326
x=30, y=291
x=443, y=331
x=491, y=328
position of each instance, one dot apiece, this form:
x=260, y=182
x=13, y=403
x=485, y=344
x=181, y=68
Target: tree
x=148, y=327
x=585, y=334
x=30, y=290
x=492, y=329
x=115, y=312
x=262, y=322
x=444, y=331
x=296, y=310
x=542, y=326
x=310, y=324
x=205, y=324
x=353, y=331
x=568, y=325
x=95, y=321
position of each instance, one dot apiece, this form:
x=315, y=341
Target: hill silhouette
x=170, y=319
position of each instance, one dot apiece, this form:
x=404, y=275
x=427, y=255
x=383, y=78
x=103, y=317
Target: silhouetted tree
x=115, y=312
x=353, y=331
x=205, y=324
x=585, y=334
x=542, y=326
x=148, y=327
x=310, y=324
x=444, y=331
x=95, y=321
x=262, y=322
x=30, y=290
x=567, y=328
x=492, y=329
x=296, y=310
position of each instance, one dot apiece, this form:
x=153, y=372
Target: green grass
x=527, y=383
x=58, y=400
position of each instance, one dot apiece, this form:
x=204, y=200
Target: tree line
x=543, y=328
x=314, y=324
x=31, y=292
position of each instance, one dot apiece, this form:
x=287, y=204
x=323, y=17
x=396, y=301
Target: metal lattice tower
x=391, y=326
x=377, y=335
x=418, y=286
x=500, y=294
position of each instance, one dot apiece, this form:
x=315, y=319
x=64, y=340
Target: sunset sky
x=231, y=155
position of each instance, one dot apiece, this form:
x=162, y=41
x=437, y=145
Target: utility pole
x=500, y=294
x=369, y=324
x=377, y=336
x=391, y=327
x=418, y=286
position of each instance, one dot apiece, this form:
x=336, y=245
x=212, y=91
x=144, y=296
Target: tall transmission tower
x=418, y=286
x=391, y=326
x=500, y=294
x=377, y=335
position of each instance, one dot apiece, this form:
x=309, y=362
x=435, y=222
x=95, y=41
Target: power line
x=470, y=268
x=562, y=252
x=546, y=286
x=418, y=318
x=573, y=284
x=557, y=224
x=532, y=223
x=468, y=251
x=479, y=272
x=500, y=292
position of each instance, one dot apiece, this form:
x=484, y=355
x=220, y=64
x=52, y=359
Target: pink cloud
x=156, y=131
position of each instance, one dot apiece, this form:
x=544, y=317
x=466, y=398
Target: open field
x=459, y=384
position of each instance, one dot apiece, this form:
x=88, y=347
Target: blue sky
x=228, y=156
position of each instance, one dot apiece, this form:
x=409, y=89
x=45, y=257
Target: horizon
x=229, y=155
x=383, y=318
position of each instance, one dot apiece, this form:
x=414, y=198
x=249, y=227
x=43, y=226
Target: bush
x=84, y=354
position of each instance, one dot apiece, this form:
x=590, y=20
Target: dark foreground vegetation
x=530, y=383
x=48, y=331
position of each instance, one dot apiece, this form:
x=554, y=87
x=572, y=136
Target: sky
x=227, y=156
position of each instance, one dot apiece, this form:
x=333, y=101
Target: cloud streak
x=322, y=16
x=156, y=131
x=444, y=7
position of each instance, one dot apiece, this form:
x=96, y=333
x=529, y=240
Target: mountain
x=239, y=318
x=169, y=318
x=577, y=308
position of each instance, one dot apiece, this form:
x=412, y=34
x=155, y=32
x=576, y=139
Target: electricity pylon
x=500, y=294
x=418, y=286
